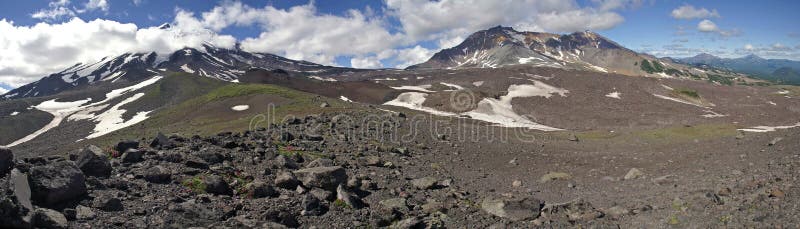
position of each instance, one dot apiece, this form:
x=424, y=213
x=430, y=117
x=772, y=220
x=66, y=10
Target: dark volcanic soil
x=411, y=170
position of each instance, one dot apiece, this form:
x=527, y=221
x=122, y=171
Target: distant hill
x=778, y=70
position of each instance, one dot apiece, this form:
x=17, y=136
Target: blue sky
x=375, y=34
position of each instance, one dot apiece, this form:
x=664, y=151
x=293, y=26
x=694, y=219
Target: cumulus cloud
x=690, y=12
x=707, y=26
x=366, y=62
x=3, y=90
x=31, y=52
x=618, y=4
x=57, y=9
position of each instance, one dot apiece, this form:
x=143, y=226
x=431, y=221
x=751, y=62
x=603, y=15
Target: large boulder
x=158, y=174
x=15, y=203
x=93, y=162
x=56, y=183
x=6, y=161
x=125, y=145
x=322, y=177
x=216, y=185
x=162, y=142
x=513, y=209
x=47, y=218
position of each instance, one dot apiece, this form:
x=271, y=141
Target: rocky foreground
x=310, y=173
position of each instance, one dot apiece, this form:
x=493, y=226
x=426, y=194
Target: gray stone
x=424, y=183
x=259, y=189
x=312, y=206
x=47, y=218
x=322, y=162
x=513, y=209
x=107, y=203
x=125, y=145
x=216, y=185
x=343, y=195
x=282, y=161
x=286, y=180
x=633, y=173
x=94, y=162
x=158, y=174
x=84, y=213
x=327, y=178
x=56, y=183
x=322, y=194
x=132, y=156
x=394, y=204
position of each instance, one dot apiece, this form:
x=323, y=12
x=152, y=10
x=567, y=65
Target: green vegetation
x=687, y=92
x=689, y=133
x=340, y=203
x=195, y=184
x=720, y=79
x=673, y=72
x=655, y=67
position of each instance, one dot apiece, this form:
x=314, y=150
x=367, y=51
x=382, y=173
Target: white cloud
x=61, y=9
x=28, y=53
x=366, y=62
x=58, y=9
x=96, y=4
x=707, y=26
x=447, y=19
x=618, y=4
x=3, y=91
x=748, y=47
x=690, y=12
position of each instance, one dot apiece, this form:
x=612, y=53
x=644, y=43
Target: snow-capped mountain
x=208, y=61
x=500, y=46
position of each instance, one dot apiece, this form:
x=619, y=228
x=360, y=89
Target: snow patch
x=501, y=112
x=763, y=129
x=15, y=113
x=186, y=68
x=598, y=68
x=477, y=83
x=614, y=95
x=772, y=103
x=414, y=101
x=457, y=87
x=322, y=79
x=676, y=100
x=345, y=99
x=59, y=110
x=111, y=120
x=240, y=107
x=667, y=87
x=421, y=88
x=712, y=114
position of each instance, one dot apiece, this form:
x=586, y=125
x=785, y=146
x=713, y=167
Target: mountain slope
x=751, y=64
x=209, y=61
x=502, y=46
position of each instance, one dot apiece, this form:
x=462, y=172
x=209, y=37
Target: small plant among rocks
x=195, y=184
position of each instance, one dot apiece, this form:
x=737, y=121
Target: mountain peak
x=706, y=56
x=752, y=57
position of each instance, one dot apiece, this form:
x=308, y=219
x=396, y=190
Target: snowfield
x=496, y=111
x=186, y=68
x=421, y=88
x=477, y=83
x=107, y=122
x=345, y=99
x=764, y=129
x=414, y=101
x=240, y=107
x=614, y=95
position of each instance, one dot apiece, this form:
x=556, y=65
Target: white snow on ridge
x=763, y=129
x=712, y=114
x=497, y=111
x=422, y=88
x=59, y=110
x=323, y=79
x=15, y=113
x=772, y=103
x=457, y=87
x=676, y=100
x=186, y=68
x=345, y=99
x=614, y=95
x=240, y=107
x=501, y=112
x=414, y=101
x=111, y=120
x=76, y=110
x=477, y=83
x=598, y=68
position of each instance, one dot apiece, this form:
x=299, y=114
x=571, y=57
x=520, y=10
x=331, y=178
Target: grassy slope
x=206, y=109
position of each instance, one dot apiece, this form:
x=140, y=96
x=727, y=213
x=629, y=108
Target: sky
x=39, y=37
